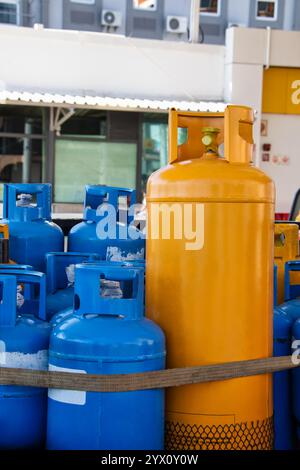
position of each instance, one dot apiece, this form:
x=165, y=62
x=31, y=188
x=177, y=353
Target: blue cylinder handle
x=8, y=304
x=56, y=264
x=291, y=291
x=9, y=267
x=97, y=195
x=88, y=299
x=31, y=278
x=17, y=205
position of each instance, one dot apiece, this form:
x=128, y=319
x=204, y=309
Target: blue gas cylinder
x=282, y=383
x=284, y=317
x=106, y=335
x=107, y=227
x=24, y=342
x=296, y=375
x=27, y=211
x=60, y=279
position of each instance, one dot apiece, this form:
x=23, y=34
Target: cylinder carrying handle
x=41, y=209
x=89, y=300
x=37, y=306
x=8, y=304
x=5, y=268
x=291, y=291
x=11, y=267
x=97, y=195
x=236, y=128
x=56, y=264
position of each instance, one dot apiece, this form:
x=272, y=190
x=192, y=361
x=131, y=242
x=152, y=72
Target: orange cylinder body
x=286, y=249
x=212, y=296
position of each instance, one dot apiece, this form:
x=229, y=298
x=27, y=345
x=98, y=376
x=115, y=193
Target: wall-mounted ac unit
x=111, y=18
x=177, y=24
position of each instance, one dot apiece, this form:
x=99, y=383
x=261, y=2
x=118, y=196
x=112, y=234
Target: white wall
x=246, y=55
x=99, y=64
x=243, y=85
x=284, y=136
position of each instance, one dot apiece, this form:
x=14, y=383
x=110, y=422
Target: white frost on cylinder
x=70, y=272
x=19, y=360
x=114, y=253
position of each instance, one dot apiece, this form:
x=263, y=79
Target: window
x=155, y=149
x=82, y=162
x=8, y=13
x=86, y=124
x=210, y=7
x=266, y=11
x=21, y=157
x=145, y=4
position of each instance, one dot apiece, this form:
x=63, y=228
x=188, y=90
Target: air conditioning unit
x=111, y=18
x=177, y=24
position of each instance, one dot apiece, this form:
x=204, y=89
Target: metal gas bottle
x=282, y=381
x=27, y=211
x=286, y=249
x=209, y=278
x=107, y=227
x=24, y=341
x=296, y=375
x=283, y=419
x=106, y=335
x=60, y=279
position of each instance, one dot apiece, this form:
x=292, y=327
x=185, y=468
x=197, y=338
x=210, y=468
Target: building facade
x=153, y=19
x=80, y=105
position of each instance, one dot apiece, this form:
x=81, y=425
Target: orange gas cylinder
x=209, y=278
x=286, y=249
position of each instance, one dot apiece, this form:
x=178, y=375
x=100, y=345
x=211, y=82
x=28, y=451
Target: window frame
x=214, y=15
x=83, y=2
x=266, y=18
x=141, y=9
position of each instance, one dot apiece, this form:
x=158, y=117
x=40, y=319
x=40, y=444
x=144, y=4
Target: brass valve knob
x=209, y=139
